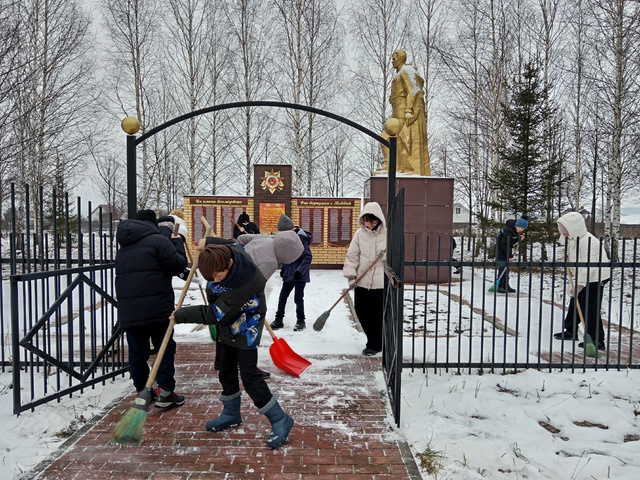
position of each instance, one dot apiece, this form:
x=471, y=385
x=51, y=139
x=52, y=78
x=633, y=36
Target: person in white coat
x=369, y=239
x=589, y=282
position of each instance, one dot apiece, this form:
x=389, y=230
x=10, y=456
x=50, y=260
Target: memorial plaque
x=229, y=217
x=311, y=221
x=269, y=216
x=197, y=228
x=316, y=228
x=340, y=226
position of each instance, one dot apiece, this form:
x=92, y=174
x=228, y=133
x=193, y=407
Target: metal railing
x=59, y=331
x=467, y=323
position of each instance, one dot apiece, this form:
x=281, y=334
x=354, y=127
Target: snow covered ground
x=527, y=425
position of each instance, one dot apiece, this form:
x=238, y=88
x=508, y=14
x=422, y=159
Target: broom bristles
x=590, y=347
x=322, y=319
x=131, y=426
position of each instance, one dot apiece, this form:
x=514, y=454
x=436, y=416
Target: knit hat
x=147, y=215
x=284, y=223
x=243, y=218
x=523, y=221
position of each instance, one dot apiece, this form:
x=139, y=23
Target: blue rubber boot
x=230, y=416
x=281, y=423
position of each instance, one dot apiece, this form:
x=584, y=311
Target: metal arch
x=133, y=141
x=261, y=103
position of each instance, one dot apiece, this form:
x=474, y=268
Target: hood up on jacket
x=288, y=246
x=372, y=208
x=130, y=231
x=575, y=225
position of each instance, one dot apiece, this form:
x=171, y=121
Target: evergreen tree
x=526, y=181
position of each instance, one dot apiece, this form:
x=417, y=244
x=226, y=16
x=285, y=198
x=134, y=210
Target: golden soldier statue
x=407, y=105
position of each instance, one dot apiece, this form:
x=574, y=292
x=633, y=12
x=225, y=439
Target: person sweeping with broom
x=587, y=283
x=238, y=312
x=145, y=263
x=369, y=239
x=509, y=236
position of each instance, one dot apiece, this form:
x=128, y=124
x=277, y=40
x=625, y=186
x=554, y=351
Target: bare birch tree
x=308, y=38
x=54, y=106
x=247, y=25
x=188, y=66
x=132, y=28
x=618, y=46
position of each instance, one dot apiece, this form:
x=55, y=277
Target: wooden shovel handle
x=584, y=325
x=208, y=229
x=268, y=327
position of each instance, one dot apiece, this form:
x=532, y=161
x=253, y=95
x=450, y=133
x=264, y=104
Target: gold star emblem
x=272, y=181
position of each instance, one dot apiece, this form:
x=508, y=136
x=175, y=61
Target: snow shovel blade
x=286, y=359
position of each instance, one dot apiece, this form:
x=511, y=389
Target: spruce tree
x=524, y=181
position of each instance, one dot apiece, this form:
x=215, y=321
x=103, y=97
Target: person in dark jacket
x=244, y=225
x=508, y=237
x=238, y=311
x=294, y=276
x=145, y=263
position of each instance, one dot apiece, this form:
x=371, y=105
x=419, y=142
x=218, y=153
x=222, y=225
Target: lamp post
x=130, y=126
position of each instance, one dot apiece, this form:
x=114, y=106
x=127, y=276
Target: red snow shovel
x=283, y=357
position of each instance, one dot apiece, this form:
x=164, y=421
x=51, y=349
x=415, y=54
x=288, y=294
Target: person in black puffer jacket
x=145, y=263
x=509, y=236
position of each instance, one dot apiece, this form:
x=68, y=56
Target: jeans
x=298, y=298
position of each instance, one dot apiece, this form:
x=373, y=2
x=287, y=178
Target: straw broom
x=131, y=426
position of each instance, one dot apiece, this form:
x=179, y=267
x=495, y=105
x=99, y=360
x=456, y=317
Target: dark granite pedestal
x=428, y=221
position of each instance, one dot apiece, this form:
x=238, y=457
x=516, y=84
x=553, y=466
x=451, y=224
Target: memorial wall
x=331, y=221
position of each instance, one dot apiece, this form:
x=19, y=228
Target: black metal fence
x=58, y=320
x=446, y=312
x=466, y=323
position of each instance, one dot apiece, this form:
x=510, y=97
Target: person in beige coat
x=589, y=282
x=369, y=239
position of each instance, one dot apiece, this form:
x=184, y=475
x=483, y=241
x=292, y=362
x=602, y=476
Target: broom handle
x=167, y=336
x=506, y=267
x=204, y=298
x=584, y=325
x=358, y=278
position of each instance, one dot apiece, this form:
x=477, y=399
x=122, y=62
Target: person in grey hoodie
x=588, y=281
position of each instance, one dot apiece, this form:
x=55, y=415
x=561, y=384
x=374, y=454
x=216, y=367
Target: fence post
x=15, y=345
x=130, y=126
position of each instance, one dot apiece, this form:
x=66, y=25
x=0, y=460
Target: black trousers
x=247, y=360
x=590, y=301
x=369, y=306
x=298, y=298
x=139, y=352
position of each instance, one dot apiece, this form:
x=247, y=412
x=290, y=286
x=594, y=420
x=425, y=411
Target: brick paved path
x=341, y=431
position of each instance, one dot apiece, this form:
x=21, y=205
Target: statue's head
x=398, y=58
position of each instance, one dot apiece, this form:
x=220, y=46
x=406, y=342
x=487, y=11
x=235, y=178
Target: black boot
x=277, y=323
x=300, y=325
